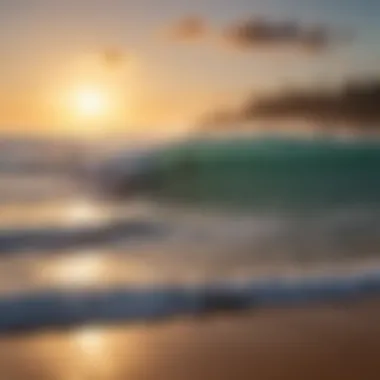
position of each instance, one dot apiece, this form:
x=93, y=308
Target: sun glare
x=81, y=271
x=90, y=342
x=91, y=102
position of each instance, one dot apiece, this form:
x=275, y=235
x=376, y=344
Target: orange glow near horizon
x=83, y=97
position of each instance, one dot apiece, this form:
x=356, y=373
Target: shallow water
x=81, y=242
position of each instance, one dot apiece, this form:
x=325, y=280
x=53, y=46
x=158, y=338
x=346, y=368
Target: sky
x=157, y=66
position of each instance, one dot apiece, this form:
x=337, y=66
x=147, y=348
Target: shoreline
x=336, y=340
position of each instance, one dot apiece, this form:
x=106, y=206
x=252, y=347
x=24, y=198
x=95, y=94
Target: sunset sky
x=151, y=65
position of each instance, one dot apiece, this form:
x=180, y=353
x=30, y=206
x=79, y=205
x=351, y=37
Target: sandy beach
x=335, y=341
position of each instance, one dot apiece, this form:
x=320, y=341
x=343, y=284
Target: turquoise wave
x=267, y=173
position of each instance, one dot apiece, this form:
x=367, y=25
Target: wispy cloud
x=256, y=33
x=189, y=28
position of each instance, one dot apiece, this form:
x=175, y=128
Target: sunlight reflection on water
x=90, y=342
x=83, y=212
x=77, y=271
x=52, y=214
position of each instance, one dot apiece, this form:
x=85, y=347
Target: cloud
x=257, y=33
x=113, y=57
x=188, y=29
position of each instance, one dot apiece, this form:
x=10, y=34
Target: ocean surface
x=70, y=258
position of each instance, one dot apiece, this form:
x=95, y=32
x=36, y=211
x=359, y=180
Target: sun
x=91, y=102
x=94, y=107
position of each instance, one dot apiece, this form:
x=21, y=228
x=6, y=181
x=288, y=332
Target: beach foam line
x=60, y=310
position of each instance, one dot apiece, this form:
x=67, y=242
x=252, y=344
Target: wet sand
x=335, y=341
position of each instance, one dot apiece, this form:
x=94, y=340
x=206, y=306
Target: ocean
x=307, y=229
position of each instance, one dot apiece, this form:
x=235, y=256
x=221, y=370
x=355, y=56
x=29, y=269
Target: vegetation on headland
x=356, y=104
